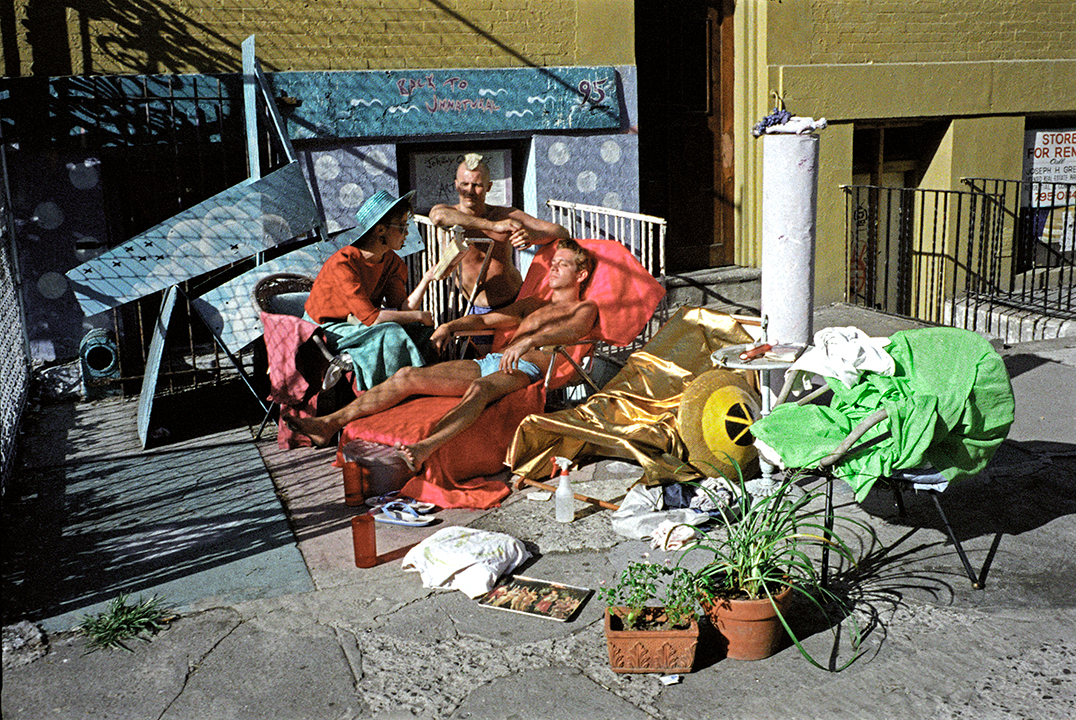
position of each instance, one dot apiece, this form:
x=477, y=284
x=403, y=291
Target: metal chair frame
x=849, y=445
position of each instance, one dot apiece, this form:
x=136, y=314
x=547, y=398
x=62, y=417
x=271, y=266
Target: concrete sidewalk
x=373, y=643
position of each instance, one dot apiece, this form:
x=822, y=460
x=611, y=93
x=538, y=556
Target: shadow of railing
x=86, y=531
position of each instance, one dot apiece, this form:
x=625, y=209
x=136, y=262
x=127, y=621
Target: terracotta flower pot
x=750, y=629
x=650, y=651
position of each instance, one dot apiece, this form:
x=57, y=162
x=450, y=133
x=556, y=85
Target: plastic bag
x=465, y=559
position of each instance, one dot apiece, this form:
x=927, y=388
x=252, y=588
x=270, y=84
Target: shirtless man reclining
x=564, y=318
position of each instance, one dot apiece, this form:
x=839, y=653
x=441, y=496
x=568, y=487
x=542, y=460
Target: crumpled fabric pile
x=667, y=514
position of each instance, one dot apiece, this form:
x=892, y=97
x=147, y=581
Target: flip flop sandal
x=398, y=513
x=380, y=500
x=422, y=508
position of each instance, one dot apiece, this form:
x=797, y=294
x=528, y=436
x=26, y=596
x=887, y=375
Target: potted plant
x=758, y=560
x=651, y=622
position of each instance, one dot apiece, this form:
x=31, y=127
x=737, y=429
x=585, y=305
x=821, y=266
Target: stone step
x=730, y=289
x=738, y=290
x=1010, y=325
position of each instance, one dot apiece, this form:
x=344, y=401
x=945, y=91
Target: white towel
x=845, y=353
x=465, y=559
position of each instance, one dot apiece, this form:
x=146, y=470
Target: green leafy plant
x=123, y=621
x=768, y=544
x=648, y=585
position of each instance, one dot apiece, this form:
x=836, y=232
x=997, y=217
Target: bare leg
x=448, y=379
x=479, y=395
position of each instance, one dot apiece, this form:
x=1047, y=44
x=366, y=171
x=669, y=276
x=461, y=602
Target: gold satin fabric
x=634, y=416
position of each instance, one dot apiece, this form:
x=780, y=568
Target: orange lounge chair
x=455, y=475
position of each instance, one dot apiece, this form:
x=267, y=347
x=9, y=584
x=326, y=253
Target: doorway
x=683, y=52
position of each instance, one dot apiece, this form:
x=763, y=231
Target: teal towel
x=378, y=351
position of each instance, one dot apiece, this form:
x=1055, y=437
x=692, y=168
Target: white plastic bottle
x=564, y=497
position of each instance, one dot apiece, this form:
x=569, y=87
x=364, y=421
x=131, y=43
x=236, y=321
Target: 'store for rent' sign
x=1050, y=157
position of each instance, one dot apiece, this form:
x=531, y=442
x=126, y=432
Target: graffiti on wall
x=433, y=177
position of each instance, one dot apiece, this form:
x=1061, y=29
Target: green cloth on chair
x=949, y=405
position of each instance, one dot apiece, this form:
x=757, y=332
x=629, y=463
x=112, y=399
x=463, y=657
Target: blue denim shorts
x=491, y=363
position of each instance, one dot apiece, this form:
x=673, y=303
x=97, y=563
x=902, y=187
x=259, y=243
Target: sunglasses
x=400, y=226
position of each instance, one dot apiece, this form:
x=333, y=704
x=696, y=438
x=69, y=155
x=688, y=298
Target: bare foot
x=412, y=456
x=315, y=428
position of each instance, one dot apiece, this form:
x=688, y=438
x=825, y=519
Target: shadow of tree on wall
x=146, y=36
x=150, y=37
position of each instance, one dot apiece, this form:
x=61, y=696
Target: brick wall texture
x=151, y=36
x=921, y=31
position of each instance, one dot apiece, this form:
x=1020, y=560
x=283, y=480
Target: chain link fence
x=14, y=359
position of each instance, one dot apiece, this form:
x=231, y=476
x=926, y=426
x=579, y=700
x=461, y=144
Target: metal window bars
x=972, y=259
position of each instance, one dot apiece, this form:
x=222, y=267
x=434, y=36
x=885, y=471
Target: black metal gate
x=951, y=257
x=162, y=144
x=1039, y=273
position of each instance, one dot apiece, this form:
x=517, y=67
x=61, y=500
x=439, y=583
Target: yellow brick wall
x=853, y=61
x=138, y=36
x=815, y=32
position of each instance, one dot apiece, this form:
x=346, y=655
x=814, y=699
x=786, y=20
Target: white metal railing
x=442, y=298
x=644, y=235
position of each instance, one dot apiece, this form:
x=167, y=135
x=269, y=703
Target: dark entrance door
x=683, y=51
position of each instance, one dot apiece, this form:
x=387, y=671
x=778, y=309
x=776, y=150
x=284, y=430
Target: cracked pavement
x=375, y=644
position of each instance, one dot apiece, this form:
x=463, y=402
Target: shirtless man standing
x=564, y=318
x=506, y=226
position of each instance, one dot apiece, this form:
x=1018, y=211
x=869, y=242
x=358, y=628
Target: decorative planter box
x=650, y=651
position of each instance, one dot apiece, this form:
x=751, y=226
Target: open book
x=453, y=250
x=530, y=596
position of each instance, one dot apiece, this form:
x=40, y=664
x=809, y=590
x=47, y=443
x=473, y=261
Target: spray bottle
x=564, y=497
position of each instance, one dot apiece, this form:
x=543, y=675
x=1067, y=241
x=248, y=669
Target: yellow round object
x=715, y=417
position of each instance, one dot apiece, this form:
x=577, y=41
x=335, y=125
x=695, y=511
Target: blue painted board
x=401, y=103
x=229, y=310
x=235, y=224
x=153, y=363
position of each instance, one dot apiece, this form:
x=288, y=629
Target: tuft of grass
x=123, y=621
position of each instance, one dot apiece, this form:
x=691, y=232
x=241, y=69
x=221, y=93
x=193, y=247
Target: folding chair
x=305, y=364
x=937, y=420
x=279, y=299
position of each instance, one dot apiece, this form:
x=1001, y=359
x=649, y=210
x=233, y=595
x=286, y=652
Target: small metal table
x=729, y=357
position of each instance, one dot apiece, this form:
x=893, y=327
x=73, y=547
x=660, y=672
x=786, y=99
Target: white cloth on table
x=844, y=353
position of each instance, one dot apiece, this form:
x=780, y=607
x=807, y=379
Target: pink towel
x=287, y=386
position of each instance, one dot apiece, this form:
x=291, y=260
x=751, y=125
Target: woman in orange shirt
x=366, y=282
x=360, y=297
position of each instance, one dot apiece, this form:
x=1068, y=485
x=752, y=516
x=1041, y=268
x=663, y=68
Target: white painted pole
x=789, y=213
x=789, y=210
